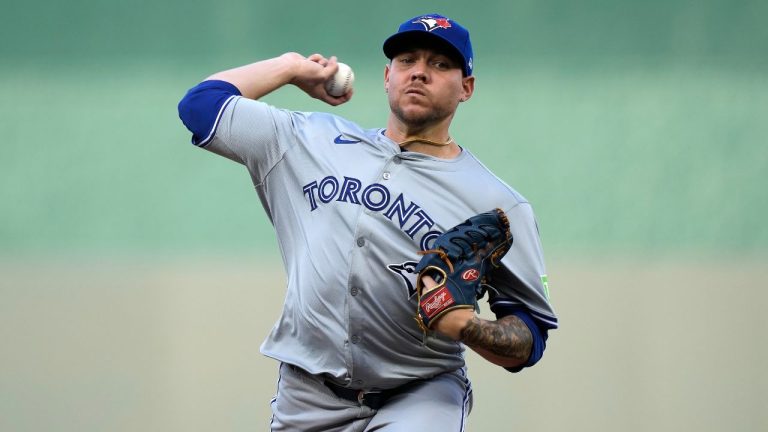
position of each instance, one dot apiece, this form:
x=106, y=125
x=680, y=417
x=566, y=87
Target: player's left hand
x=453, y=322
x=456, y=268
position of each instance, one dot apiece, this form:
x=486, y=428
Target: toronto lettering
x=411, y=218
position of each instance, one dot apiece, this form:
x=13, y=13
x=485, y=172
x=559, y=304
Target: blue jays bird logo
x=430, y=23
x=407, y=271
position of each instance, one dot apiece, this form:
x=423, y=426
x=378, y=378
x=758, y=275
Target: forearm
x=201, y=106
x=307, y=73
x=258, y=79
x=506, y=342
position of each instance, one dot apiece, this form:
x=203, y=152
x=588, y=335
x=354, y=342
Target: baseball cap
x=435, y=28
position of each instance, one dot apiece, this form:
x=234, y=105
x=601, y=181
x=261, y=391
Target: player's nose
x=419, y=72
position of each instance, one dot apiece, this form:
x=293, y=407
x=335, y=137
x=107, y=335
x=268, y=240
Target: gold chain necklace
x=426, y=141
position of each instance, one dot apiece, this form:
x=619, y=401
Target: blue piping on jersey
x=201, y=108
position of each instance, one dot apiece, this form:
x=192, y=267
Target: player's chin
x=418, y=114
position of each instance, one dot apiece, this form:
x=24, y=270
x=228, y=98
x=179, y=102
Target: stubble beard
x=421, y=119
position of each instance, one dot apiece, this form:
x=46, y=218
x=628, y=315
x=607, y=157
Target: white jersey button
x=386, y=175
x=354, y=291
x=360, y=241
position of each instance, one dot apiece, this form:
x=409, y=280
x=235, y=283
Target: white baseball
x=341, y=82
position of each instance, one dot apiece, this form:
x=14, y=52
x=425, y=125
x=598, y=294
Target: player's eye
x=442, y=64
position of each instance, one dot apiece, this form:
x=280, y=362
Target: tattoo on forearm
x=508, y=337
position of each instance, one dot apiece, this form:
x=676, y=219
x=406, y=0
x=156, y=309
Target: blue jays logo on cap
x=433, y=23
x=442, y=29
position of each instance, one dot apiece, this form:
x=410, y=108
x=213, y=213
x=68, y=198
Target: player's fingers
x=338, y=100
x=332, y=65
x=428, y=282
x=321, y=60
x=317, y=58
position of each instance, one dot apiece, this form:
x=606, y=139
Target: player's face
x=425, y=86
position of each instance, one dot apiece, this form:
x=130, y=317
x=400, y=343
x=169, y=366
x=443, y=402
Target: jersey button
x=360, y=241
x=386, y=176
x=355, y=339
x=354, y=291
x=398, y=161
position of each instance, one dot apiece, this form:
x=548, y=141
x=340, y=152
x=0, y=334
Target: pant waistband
x=371, y=399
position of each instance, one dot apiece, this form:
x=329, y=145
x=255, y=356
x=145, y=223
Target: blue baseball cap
x=436, y=29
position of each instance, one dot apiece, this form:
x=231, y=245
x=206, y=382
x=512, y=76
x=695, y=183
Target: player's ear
x=386, y=78
x=468, y=88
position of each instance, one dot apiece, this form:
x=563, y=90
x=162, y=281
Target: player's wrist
x=453, y=323
x=290, y=64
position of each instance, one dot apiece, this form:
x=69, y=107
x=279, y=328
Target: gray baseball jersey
x=351, y=211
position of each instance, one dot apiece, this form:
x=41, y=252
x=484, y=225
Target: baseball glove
x=459, y=263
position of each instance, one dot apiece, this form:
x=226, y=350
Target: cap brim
x=407, y=40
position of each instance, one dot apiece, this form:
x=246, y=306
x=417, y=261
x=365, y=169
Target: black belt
x=371, y=399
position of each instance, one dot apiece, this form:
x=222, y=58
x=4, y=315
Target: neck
x=444, y=149
x=434, y=142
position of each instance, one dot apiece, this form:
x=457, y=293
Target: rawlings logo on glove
x=436, y=302
x=459, y=263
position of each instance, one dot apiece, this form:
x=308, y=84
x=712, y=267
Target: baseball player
x=352, y=209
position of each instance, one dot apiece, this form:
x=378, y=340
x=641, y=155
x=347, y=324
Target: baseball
x=341, y=82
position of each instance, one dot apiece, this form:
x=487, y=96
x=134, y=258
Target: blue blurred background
x=139, y=273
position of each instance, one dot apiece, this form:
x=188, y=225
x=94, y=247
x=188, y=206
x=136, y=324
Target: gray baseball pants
x=305, y=404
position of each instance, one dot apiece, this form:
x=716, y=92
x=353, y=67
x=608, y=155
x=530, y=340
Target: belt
x=371, y=399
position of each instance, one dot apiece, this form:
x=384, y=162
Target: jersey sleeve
x=255, y=134
x=519, y=286
x=521, y=282
x=246, y=131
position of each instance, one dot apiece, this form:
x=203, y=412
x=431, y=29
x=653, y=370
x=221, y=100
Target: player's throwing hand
x=311, y=73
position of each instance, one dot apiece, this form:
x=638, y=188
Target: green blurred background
x=139, y=274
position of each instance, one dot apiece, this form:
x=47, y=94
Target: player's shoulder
x=313, y=126
x=317, y=118
x=494, y=186
x=320, y=123
x=333, y=121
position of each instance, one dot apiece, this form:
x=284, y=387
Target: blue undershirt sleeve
x=539, y=333
x=538, y=343
x=201, y=108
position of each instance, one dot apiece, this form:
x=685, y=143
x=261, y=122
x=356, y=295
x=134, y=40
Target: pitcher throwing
x=363, y=344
